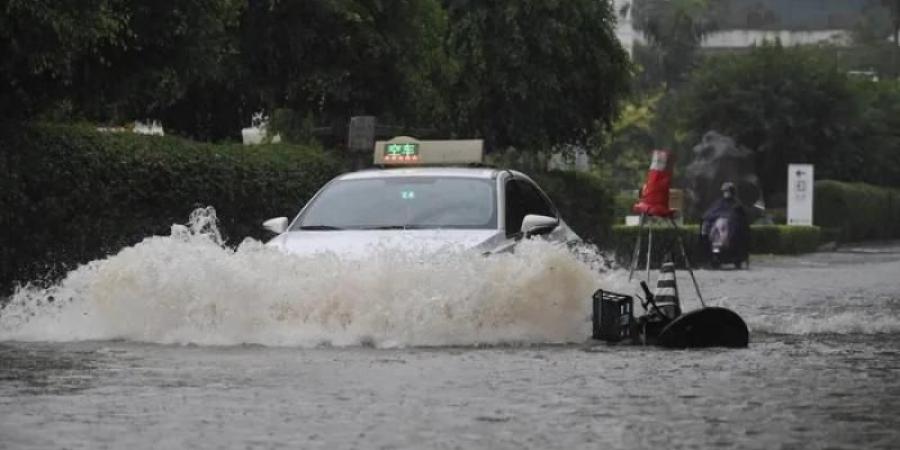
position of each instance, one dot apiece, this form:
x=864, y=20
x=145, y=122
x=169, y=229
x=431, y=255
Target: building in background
x=739, y=24
x=744, y=23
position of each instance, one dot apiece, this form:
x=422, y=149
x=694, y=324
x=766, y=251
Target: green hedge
x=624, y=203
x=71, y=194
x=860, y=211
x=584, y=200
x=774, y=239
x=784, y=240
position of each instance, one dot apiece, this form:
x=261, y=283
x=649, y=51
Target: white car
x=431, y=208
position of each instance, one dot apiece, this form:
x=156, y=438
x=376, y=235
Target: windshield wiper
x=319, y=228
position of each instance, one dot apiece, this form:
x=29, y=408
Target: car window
x=535, y=203
x=522, y=199
x=403, y=202
x=515, y=208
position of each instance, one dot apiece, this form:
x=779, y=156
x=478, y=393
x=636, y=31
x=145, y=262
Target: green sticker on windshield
x=408, y=195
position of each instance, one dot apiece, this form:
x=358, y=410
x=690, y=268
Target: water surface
x=179, y=342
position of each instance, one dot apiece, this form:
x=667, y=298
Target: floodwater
x=179, y=342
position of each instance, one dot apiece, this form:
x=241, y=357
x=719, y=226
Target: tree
x=875, y=37
x=171, y=52
x=879, y=134
x=893, y=7
x=789, y=105
x=114, y=60
x=42, y=42
x=534, y=72
x=336, y=58
x=675, y=29
x=625, y=150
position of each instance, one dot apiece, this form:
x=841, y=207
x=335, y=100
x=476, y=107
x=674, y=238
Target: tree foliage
x=515, y=72
x=534, y=72
x=878, y=134
x=674, y=29
x=171, y=51
x=648, y=121
x=893, y=7
x=624, y=150
x=42, y=43
x=115, y=60
x=200, y=64
x=334, y=59
x=789, y=105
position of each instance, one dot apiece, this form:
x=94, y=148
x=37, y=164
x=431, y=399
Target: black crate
x=613, y=314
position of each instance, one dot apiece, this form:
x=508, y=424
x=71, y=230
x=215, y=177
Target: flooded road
x=821, y=372
x=783, y=392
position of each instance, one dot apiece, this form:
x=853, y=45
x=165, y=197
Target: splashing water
x=189, y=288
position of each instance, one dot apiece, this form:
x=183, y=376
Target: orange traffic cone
x=655, y=193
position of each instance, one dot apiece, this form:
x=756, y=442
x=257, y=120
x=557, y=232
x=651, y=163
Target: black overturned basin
x=706, y=327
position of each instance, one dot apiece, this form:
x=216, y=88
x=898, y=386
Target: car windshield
x=403, y=203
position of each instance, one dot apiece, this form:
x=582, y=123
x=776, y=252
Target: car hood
x=358, y=243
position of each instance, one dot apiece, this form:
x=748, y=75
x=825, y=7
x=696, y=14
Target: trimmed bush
x=831, y=234
x=624, y=202
x=774, y=239
x=784, y=239
x=71, y=194
x=861, y=211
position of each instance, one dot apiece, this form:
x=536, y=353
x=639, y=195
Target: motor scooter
x=726, y=243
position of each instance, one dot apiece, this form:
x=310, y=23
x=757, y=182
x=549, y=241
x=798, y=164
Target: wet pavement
x=821, y=372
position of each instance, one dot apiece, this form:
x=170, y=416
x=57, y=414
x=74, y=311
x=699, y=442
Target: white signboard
x=800, y=194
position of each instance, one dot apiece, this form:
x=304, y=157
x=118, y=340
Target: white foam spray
x=189, y=288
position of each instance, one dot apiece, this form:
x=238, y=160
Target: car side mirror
x=536, y=224
x=277, y=225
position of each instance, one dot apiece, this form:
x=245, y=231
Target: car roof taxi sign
x=407, y=151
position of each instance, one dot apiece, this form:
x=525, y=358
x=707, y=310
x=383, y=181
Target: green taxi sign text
x=402, y=152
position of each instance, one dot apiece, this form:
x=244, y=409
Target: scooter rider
x=726, y=229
